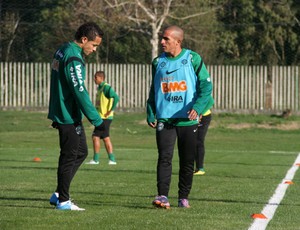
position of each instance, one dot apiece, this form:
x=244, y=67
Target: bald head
x=176, y=32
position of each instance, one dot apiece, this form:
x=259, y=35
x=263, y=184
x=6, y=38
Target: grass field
x=247, y=157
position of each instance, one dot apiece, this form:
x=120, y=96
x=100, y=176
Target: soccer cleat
x=92, y=162
x=183, y=203
x=110, y=162
x=199, y=172
x=68, y=205
x=161, y=202
x=54, y=199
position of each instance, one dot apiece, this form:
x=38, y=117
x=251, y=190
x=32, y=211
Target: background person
x=69, y=100
x=106, y=101
x=180, y=91
x=204, y=122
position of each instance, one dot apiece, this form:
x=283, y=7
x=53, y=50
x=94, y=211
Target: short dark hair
x=99, y=73
x=90, y=30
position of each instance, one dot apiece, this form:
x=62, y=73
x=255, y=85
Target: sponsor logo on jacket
x=173, y=86
x=77, y=72
x=175, y=99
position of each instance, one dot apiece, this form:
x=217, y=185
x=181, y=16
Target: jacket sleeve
x=204, y=86
x=74, y=72
x=111, y=94
x=150, y=105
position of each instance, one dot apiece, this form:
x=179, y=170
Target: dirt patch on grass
x=293, y=125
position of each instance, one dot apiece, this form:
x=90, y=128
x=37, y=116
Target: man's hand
x=101, y=127
x=107, y=114
x=152, y=124
x=192, y=114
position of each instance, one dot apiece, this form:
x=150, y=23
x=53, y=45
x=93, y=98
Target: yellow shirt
x=103, y=104
x=207, y=113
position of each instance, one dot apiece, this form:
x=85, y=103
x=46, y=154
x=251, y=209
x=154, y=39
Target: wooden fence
x=236, y=88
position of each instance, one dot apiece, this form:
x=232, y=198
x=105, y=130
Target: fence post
x=268, y=102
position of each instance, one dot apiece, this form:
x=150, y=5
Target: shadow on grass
x=112, y=170
x=145, y=172
x=13, y=203
x=130, y=202
x=28, y=168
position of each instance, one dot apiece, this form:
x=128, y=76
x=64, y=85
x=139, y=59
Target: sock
x=111, y=156
x=96, y=157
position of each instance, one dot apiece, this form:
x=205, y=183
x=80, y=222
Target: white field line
x=270, y=208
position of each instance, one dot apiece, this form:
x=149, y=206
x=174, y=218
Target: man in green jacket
x=180, y=92
x=69, y=101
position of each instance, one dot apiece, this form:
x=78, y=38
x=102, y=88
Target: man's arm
x=111, y=95
x=150, y=105
x=74, y=71
x=204, y=85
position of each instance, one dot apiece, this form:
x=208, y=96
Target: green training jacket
x=204, y=101
x=69, y=99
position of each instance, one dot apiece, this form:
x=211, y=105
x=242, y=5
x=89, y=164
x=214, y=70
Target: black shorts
x=105, y=133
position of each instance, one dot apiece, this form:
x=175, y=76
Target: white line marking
x=270, y=208
x=282, y=152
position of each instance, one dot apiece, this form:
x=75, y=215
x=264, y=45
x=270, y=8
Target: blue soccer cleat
x=54, y=199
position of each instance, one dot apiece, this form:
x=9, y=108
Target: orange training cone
x=37, y=159
x=258, y=216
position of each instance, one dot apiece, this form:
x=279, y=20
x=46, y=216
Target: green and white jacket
x=69, y=99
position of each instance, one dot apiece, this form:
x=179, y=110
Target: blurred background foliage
x=239, y=32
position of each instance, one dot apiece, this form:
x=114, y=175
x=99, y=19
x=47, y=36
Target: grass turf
x=243, y=169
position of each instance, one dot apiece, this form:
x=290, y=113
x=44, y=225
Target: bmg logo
x=174, y=86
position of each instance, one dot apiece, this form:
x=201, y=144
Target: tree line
x=239, y=32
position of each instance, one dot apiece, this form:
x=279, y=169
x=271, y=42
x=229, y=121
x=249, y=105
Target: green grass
x=244, y=167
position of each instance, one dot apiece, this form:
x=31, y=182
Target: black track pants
x=202, y=130
x=73, y=151
x=186, y=142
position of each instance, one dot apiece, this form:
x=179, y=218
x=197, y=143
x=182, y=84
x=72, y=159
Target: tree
x=11, y=18
x=198, y=19
x=144, y=18
x=10, y=25
x=258, y=32
x=59, y=24
x=131, y=27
